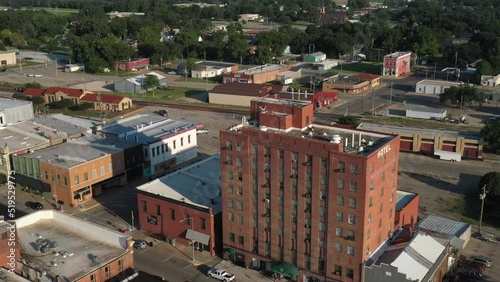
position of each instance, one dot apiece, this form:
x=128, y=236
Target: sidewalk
x=242, y=274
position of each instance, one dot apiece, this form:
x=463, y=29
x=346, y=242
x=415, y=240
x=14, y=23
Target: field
x=59, y=11
x=163, y=94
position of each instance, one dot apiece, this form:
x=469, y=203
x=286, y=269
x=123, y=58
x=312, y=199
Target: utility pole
x=460, y=109
x=373, y=102
x=482, y=196
x=390, y=99
x=56, y=66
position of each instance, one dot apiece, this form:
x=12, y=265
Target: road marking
x=86, y=209
x=167, y=258
x=186, y=266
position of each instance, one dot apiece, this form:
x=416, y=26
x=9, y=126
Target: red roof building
x=34, y=92
x=372, y=78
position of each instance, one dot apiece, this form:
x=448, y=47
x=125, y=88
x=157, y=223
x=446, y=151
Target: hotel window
x=267, y=152
x=352, y=203
x=163, y=148
x=94, y=173
x=340, y=216
x=295, y=157
x=350, y=250
x=230, y=203
x=77, y=179
x=240, y=176
x=120, y=265
x=187, y=219
x=351, y=219
x=354, y=169
x=383, y=175
x=338, y=231
x=294, y=204
x=379, y=223
x=144, y=206
x=324, y=163
x=368, y=234
x=337, y=270
x=340, y=200
x=58, y=178
x=158, y=150
x=309, y=176
x=322, y=226
x=230, y=216
x=381, y=208
x=338, y=247
x=189, y=139
x=254, y=149
x=340, y=184
x=354, y=186
x=92, y=278
x=106, y=271
x=46, y=175
x=166, y=147
x=241, y=240
x=231, y=237
x=182, y=141
x=370, y=202
x=230, y=174
x=322, y=211
x=238, y=146
x=203, y=223
x=382, y=192
x=175, y=144
x=341, y=167
x=103, y=171
x=146, y=152
x=351, y=235
x=239, y=205
x=390, y=213
x=230, y=189
x=65, y=181
x=323, y=179
x=238, y=161
x=239, y=191
x=371, y=185
x=110, y=167
x=281, y=154
x=172, y=214
x=240, y=219
x=153, y=152
x=349, y=271
x=369, y=218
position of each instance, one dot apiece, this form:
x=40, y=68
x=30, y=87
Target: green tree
x=463, y=95
x=491, y=133
x=32, y=85
x=484, y=68
x=62, y=104
x=349, y=121
x=492, y=182
x=37, y=100
x=150, y=82
x=425, y=42
x=356, y=4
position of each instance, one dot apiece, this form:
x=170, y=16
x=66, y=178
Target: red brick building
x=184, y=206
x=9, y=246
x=318, y=197
x=261, y=74
x=397, y=64
x=406, y=210
x=129, y=66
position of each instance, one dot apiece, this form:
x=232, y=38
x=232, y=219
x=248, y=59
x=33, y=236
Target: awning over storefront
x=286, y=269
x=229, y=251
x=197, y=236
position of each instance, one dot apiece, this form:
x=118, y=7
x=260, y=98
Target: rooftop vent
x=263, y=128
x=370, y=143
x=336, y=139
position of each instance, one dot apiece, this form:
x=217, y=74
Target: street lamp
x=482, y=196
x=192, y=228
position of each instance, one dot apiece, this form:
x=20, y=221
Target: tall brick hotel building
x=314, y=199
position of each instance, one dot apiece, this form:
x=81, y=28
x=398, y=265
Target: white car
x=37, y=75
x=202, y=131
x=172, y=72
x=220, y=274
x=31, y=75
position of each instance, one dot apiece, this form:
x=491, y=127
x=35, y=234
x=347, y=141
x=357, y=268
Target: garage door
x=471, y=153
x=406, y=145
x=427, y=148
x=448, y=148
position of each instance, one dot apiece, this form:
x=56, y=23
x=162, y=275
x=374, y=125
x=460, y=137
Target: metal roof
x=11, y=103
x=443, y=225
x=58, y=124
x=394, y=129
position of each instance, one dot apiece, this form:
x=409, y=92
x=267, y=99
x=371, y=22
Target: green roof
x=286, y=269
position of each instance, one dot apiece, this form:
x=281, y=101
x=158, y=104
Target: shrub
x=20, y=96
x=83, y=106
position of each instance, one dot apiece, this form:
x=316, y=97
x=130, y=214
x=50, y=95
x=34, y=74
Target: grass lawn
x=467, y=209
x=190, y=79
x=59, y=11
x=25, y=64
x=355, y=68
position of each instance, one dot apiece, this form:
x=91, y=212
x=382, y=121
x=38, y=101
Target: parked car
x=34, y=205
x=140, y=244
x=37, y=75
x=171, y=72
x=30, y=75
x=472, y=265
x=481, y=259
x=470, y=273
x=493, y=118
x=28, y=59
x=163, y=113
x=220, y=274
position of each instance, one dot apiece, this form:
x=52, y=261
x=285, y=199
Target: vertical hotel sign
x=384, y=151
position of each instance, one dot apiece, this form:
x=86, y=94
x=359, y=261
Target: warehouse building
x=12, y=111
x=434, y=86
x=7, y=58
x=135, y=85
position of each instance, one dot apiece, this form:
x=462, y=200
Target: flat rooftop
x=397, y=54
x=70, y=154
x=286, y=102
x=403, y=198
x=438, y=82
x=427, y=110
x=97, y=141
x=441, y=225
x=217, y=64
x=74, y=247
x=7, y=276
x=82, y=122
x=60, y=125
x=394, y=129
x=12, y=103
x=146, y=128
x=259, y=69
x=198, y=184
x=19, y=140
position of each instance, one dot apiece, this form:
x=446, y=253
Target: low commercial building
x=7, y=58
x=490, y=80
x=12, y=111
x=434, y=86
x=314, y=57
x=16, y=141
x=422, y=259
x=205, y=69
x=8, y=258
x=59, y=247
x=184, y=206
x=257, y=75
x=397, y=64
x=447, y=229
x=59, y=127
x=71, y=170
x=373, y=79
x=348, y=85
x=132, y=65
x=250, y=18
x=325, y=65
x=165, y=142
x=100, y=102
x=406, y=209
x=135, y=85
x=108, y=103
x=426, y=113
x=89, y=124
x=240, y=94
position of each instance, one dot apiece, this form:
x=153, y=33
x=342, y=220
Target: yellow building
x=7, y=58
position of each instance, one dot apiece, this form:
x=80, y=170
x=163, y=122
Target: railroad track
x=193, y=107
